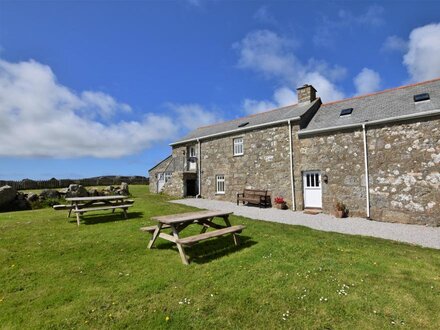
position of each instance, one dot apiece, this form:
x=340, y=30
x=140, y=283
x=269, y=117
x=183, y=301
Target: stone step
x=312, y=211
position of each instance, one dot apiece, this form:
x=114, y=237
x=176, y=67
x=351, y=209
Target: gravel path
x=413, y=234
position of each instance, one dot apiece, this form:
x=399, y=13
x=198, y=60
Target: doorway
x=312, y=189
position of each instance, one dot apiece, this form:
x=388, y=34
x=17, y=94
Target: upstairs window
x=220, y=184
x=192, y=151
x=238, y=146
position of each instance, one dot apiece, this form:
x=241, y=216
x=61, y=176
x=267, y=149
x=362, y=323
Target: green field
x=54, y=274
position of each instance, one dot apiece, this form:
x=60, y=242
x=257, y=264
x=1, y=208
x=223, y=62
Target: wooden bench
x=151, y=229
x=71, y=206
x=254, y=196
x=190, y=240
x=102, y=208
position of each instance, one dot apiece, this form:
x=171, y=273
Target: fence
x=64, y=183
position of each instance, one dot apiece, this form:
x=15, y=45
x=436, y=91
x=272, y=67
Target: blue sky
x=101, y=88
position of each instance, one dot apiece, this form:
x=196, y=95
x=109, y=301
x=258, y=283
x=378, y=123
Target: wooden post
x=228, y=224
x=77, y=215
x=155, y=235
x=179, y=246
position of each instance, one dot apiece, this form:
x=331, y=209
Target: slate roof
x=285, y=113
x=161, y=162
x=390, y=103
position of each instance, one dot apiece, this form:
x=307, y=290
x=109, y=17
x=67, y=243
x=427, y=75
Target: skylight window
x=346, y=112
x=243, y=124
x=421, y=97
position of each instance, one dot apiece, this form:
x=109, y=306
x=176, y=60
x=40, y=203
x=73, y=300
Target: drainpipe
x=199, y=169
x=367, y=184
x=291, y=167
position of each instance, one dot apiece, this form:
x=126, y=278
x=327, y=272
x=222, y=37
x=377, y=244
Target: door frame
x=312, y=186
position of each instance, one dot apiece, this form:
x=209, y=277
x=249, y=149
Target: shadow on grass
x=92, y=219
x=209, y=250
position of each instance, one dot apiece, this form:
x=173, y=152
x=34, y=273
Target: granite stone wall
x=264, y=165
x=404, y=162
x=153, y=174
x=340, y=156
x=404, y=170
x=176, y=185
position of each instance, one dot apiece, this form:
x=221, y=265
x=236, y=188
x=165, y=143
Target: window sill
x=238, y=155
x=219, y=193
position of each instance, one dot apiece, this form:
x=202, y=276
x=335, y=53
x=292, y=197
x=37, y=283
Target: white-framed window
x=238, y=146
x=168, y=176
x=220, y=184
x=192, y=151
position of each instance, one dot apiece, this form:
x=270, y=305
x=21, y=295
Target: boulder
x=64, y=191
x=20, y=203
x=11, y=200
x=109, y=188
x=7, y=195
x=32, y=197
x=93, y=192
x=76, y=190
x=49, y=194
x=123, y=189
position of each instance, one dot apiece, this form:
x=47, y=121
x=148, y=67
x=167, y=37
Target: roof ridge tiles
x=381, y=92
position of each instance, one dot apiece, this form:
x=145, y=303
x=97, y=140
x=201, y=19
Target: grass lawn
x=54, y=274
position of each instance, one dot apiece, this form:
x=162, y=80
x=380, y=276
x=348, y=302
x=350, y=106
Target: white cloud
x=281, y=97
x=327, y=28
x=271, y=55
x=41, y=117
x=367, y=81
x=264, y=16
x=423, y=57
x=265, y=52
x=193, y=115
x=395, y=43
x=254, y=106
x=285, y=96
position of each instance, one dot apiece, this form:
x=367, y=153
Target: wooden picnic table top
x=95, y=198
x=190, y=216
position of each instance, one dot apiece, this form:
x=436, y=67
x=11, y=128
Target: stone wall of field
x=28, y=184
x=264, y=165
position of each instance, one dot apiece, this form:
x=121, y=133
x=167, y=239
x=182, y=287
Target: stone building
x=379, y=154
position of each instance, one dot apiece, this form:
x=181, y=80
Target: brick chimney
x=306, y=93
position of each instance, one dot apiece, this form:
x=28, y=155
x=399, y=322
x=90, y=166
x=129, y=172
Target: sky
x=90, y=88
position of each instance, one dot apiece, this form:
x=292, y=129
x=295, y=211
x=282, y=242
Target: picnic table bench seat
x=151, y=229
x=255, y=196
x=71, y=206
x=102, y=208
x=190, y=240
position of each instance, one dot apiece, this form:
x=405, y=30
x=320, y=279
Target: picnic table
x=81, y=205
x=178, y=222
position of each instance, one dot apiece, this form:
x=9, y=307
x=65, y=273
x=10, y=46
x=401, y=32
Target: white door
x=160, y=181
x=312, y=189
